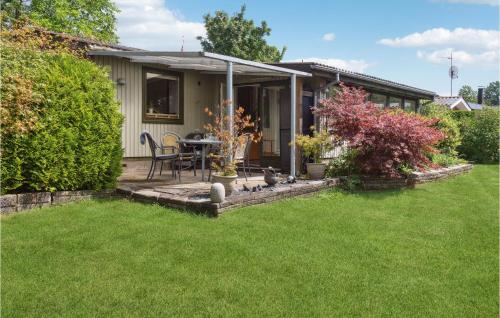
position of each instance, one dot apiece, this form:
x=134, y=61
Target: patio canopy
x=213, y=63
x=201, y=61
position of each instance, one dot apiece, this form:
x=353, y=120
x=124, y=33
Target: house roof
x=304, y=66
x=92, y=43
x=451, y=101
x=201, y=61
x=475, y=106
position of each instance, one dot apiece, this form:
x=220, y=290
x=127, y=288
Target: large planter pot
x=227, y=181
x=316, y=171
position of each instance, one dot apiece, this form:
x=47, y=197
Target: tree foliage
x=468, y=94
x=447, y=125
x=480, y=135
x=93, y=19
x=491, y=94
x=239, y=37
x=61, y=126
x=385, y=140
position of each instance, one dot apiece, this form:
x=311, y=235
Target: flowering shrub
x=385, y=140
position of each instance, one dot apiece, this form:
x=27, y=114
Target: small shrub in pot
x=312, y=148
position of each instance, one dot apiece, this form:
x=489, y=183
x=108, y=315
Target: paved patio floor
x=194, y=194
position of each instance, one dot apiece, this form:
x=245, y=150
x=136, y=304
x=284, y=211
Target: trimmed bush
x=447, y=125
x=480, y=133
x=61, y=124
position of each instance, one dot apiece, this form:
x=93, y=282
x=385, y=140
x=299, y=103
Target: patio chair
x=242, y=155
x=157, y=155
x=197, y=135
x=170, y=143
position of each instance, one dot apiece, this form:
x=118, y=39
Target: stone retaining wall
x=11, y=203
x=373, y=183
x=203, y=205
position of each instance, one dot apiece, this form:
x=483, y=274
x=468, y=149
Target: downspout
x=317, y=96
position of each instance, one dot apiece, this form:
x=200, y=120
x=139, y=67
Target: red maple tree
x=384, y=139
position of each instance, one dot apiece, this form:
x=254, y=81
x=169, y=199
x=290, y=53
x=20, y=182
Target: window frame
x=162, y=120
x=401, y=102
x=415, y=107
x=380, y=106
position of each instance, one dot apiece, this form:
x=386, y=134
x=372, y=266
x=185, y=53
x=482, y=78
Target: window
x=395, y=102
x=162, y=97
x=410, y=105
x=378, y=99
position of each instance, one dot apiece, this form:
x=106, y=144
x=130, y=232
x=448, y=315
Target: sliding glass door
x=271, y=121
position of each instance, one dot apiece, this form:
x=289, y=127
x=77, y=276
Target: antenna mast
x=453, y=72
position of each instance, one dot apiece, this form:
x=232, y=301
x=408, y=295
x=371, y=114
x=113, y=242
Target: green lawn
x=431, y=251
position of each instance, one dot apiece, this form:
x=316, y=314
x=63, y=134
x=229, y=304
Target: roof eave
x=214, y=56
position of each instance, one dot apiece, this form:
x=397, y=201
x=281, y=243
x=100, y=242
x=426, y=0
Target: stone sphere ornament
x=217, y=193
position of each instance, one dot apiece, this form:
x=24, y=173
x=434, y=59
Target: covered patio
x=227, y=71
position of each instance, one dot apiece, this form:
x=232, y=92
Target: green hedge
x=61, y=126
x=480, y=133
x=446, y=124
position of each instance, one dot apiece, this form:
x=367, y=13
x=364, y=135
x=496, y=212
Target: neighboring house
x=453, y=102
x=475, y=106
x=168, y=91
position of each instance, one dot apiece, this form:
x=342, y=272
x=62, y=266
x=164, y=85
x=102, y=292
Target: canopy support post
x=293, y=108
x=230, y=104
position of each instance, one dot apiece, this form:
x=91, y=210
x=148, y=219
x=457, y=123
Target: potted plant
x=312, y=147
x=223, y=162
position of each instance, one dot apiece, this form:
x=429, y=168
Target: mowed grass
x=427, y=252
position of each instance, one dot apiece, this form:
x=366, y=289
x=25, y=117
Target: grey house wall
x=200, y=91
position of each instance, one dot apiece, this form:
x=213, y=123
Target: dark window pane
x=162, y=95
x=378, y=100
x=410, y=105
x=395, y=102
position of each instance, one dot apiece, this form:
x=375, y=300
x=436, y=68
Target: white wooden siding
x=200, y=91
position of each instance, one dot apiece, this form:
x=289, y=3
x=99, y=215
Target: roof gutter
x=375, y=80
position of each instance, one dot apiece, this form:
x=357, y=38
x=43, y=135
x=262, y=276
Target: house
x=168, y=91
x=453, y=102
x=475, y=106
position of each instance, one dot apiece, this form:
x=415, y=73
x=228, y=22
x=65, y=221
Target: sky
x=405, y=41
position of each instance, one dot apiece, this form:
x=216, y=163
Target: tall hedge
x=447, y=125
x=61, y=126
x=480, y=135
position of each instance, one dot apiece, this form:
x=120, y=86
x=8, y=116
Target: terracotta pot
x=316, y=171
x=227, y=181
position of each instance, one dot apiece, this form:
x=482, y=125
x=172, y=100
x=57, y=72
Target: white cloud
x=351, y=65
x=149, y=24
x=441, y=37
x=487, y=2
x=460, y=57
x=328, y=37
x=469, y=46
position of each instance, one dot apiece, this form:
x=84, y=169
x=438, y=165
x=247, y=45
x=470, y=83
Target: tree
x=239, y=37
x=468, y=94
x=491, y=94
x=94, y=19
x=386, y=141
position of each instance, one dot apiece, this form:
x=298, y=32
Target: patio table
x=203, y=143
